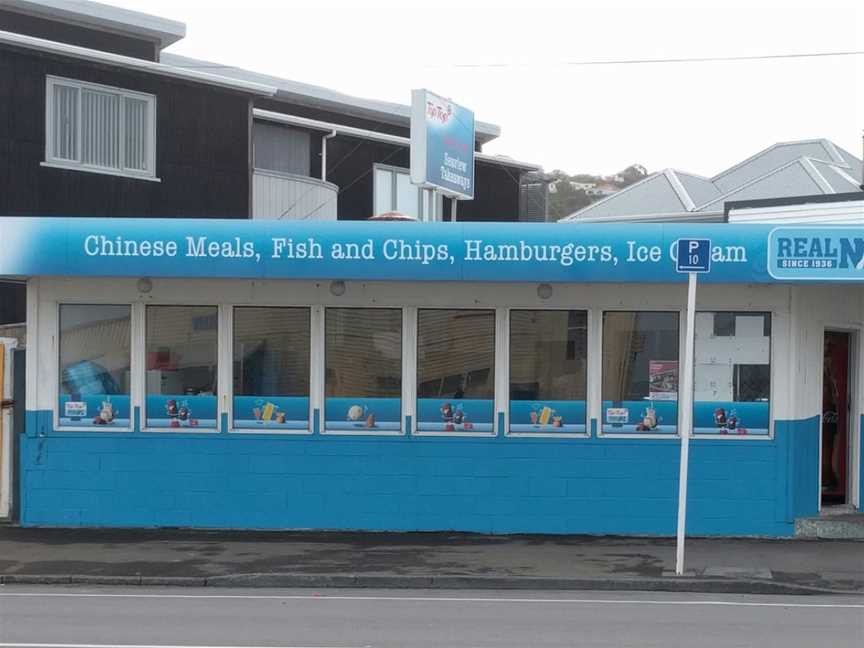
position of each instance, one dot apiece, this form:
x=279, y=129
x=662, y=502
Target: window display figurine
x=447, y=412
x=106, y=414
x=649, y=420
x=720, y=418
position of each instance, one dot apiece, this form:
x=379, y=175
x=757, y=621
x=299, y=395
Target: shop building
x=99, y=121
x=498, y=378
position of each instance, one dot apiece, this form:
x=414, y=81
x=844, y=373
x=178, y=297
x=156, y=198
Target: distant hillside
x=570, y=193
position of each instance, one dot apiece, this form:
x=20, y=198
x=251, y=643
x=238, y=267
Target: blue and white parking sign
x=694, y=255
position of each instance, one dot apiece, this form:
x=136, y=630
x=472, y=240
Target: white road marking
x=432, y=599
x=117, y=645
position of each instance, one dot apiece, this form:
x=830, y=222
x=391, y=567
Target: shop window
x=732, y=373
x=181, y=365
x=640, y=372
x=548, y=371
x=363, y=369
x=100, y=128
x=94, y=366
x=455, y=370
x=271, y=368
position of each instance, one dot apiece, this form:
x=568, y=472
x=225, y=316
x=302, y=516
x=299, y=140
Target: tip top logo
x=822, y=254
x=439, y=111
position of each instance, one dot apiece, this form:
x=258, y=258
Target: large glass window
x=100, y=128
x=181, y=366
x=271, y=368
x=455, y=370
x=732, y=373
x=94, y=365
x=363, y=374
x=548, y=370
x=640, y=372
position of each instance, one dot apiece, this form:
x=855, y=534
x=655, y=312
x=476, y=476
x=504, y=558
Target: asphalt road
x=54, y=617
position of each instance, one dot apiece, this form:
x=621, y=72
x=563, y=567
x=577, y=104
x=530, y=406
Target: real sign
x=442, y=144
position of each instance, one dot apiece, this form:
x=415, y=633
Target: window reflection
x=363, y=375
x=548, y=370
x=455, y=370
x=640, y=372
x=94, y=365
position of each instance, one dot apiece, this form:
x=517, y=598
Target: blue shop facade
x=495, y=378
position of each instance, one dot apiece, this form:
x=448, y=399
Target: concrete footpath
x=426, y=560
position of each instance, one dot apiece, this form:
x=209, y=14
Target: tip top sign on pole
x=694, y=257
x=442, y=145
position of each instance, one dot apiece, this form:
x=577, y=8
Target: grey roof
x=319, y=97
x=786, y=169
x=96, y=15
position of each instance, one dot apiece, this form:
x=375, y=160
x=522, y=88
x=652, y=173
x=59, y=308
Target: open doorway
x=836, y=384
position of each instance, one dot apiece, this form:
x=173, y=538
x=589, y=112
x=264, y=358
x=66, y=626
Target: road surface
x=56, y=617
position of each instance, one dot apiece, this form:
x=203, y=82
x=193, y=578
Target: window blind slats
x=65, y=122
x=100, y=128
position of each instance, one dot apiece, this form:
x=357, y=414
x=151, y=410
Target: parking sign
x=694, y=255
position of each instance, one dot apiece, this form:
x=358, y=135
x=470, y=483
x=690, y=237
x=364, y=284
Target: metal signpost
x=694, y=257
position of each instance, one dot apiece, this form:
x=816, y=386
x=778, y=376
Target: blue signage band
x=373, y=251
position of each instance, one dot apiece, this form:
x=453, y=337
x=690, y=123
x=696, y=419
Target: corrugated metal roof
x=319, y=97
x=653, y=195
x=772, y=158
x=807, y=167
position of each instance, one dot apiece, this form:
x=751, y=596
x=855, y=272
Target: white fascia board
x=362, y=133
x=95, y=15
x=845, y=211
x=672, y=217
x=131, y=63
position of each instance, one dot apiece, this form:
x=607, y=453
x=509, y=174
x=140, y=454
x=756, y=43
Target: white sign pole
x=686, y=404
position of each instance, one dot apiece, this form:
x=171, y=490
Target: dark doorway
x=835, y=418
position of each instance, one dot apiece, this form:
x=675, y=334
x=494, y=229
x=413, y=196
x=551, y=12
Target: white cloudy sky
x=700, y=117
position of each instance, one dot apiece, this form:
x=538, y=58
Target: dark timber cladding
x=350, y=163
x=76, y=35
x=202, y=147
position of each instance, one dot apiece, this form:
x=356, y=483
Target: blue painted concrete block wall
x=490, y=485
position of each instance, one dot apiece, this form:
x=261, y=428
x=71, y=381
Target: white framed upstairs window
x=394, y=191
x=92, y=127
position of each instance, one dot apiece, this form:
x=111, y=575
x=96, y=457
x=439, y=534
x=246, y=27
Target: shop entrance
x=836, y=383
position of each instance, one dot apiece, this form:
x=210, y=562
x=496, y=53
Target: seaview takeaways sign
x=442, y=144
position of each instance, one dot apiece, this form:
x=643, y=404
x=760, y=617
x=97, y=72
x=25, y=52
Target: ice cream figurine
x=106, y=413
x=370, y=420
x=649, y=420
x=533, y=416
x=720, y=417
x=556, y=421
x=545, y=415
x=458, y=415
x=184, y=412
x=256, y=411
x=355, y=412
x=171, y=409
x=447, y=412
x=268, y=411
x=280, y=417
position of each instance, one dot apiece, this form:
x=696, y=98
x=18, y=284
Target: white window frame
x=51, y=160
x=429, y=202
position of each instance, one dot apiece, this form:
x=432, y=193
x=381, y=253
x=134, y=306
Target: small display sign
x=617, y=415
x=75, y=409
x=663, y=380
